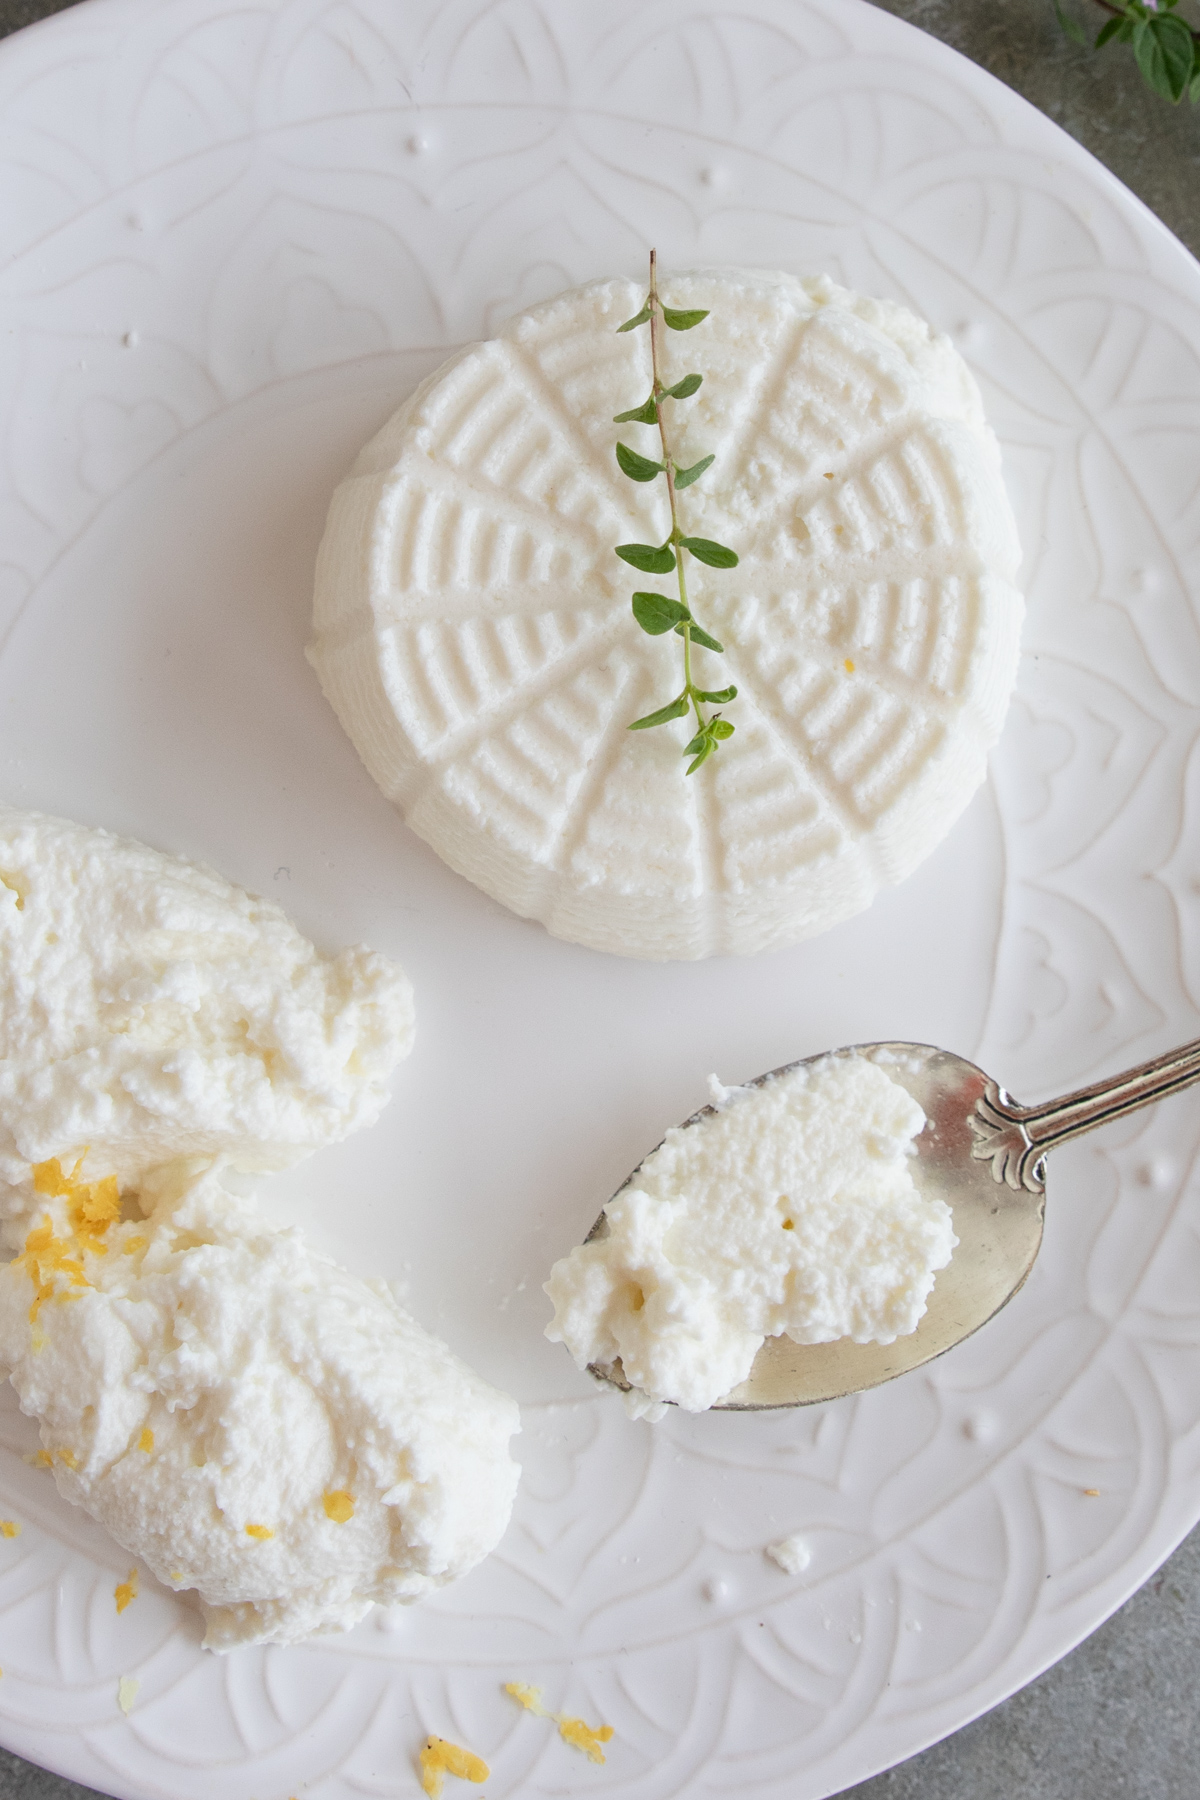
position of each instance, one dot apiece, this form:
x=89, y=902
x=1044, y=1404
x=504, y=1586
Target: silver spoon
x=985, y=1156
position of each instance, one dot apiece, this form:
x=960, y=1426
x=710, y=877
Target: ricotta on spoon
x=150, y=1010
x=473, y=630
x=246, y=1417
x=789, y=1208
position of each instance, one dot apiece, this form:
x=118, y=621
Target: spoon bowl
x=984, y=1155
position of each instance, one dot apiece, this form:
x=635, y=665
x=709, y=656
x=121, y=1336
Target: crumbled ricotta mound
x=473, y=627
x=150, y=1010
x=245, y=1417
x=790, y=1209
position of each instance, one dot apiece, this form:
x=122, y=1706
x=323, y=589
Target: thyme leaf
x=638, y=415
x=638, y=468
x=677, y=710
x=717, y=556
x=680, y=321
x=649, y=560
x=656, y=613
x=685, y=477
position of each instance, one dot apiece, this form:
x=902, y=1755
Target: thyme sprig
x=1165, y=47
x=660, y=613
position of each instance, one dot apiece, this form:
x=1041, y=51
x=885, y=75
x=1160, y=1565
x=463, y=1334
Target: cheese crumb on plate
x=791, y=1554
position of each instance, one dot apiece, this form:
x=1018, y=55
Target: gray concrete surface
x=1098, y=97
x=1119, y=1719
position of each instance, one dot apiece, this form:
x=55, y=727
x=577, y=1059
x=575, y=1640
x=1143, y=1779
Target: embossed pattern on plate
x=235, y=238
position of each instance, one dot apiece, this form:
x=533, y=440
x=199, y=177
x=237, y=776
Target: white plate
x=233, y=240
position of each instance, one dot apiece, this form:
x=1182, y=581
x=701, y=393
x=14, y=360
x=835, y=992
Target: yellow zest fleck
x=48, y=1178
x=133, y=1245
x=1092, y=1493
x=829, y=475
x=94, y=1208
x=68, y=1457
x=587, y=1738
x=127, y=1693
x=146, y=1441
x=9, y=1528
x=530, y=1697
x=41, y=1459
x=175, y=1575
x=44, y=1257
x=440, y=1758
x=838, y=530
x=125, y=1591
x=94, y=1204
x=849, y=665
x=339, y=1506
x=261, y=1532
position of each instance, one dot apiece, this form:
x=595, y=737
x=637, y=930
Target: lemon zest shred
x=339, y=1506
x=576, y=1732
x=849, y=665
x=127, y=1693
x=585, y=1737
x=125, y=1591
x=45, y=1256
x=132, y=1245
x=529, y=1697
x=10, y=1528
x=440, y=1758
x=261, y=1532
x=48, y=1179
x=146, y=1441
x=68, y=1457
x=94, y=1206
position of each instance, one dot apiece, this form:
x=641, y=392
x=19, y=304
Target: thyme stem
x=657, y=613
x=656, y=328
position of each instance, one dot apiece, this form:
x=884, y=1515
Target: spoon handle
x=1015, y=1139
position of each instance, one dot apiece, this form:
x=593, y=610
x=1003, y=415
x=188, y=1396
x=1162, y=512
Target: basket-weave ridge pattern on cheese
x=474, y=633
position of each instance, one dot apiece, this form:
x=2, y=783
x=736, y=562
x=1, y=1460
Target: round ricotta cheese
x=150, y=1010
x=473, y=629
x=247, y=1418
x=789, y=1208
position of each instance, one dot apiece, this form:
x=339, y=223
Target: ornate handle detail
x=1015, y=1139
